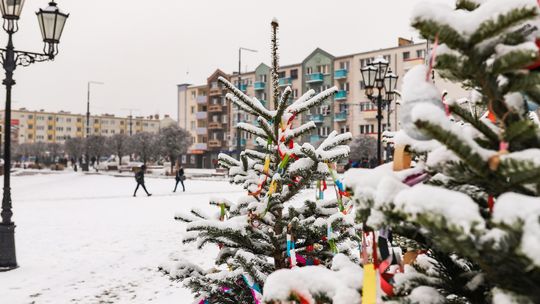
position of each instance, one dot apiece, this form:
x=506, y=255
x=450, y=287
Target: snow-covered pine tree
x=253, y=233
x=467, y=214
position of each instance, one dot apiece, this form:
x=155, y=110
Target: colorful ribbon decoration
x=339, y=188
x=255, y=289
x=330, y=239
x=291, y=250
x=491, y=203
x=369, y=285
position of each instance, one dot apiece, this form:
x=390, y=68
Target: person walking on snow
x=180, y=177
x=139, y=178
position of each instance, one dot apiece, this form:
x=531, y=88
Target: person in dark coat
x=139, y=178
x=180, y=177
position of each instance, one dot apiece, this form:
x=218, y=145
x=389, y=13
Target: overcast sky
x=142, y=49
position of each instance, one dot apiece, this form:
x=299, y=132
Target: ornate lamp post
x=375, y=76
x=238, y=132
x=390, y=83
x=51, y=22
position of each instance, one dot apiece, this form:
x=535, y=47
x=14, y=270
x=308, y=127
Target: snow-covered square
x=84, y=238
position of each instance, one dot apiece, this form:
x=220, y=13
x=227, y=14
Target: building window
x=388, y=58
x=79, y=129
x=49, y=127
x=30, y=116
x=406, y=55
x=295, y=93
x=192, y=159
x=96, y=130
x=294, y=74
x=345, y=86
x=192, y=125
x=344, y=129
x=192, y=109
x=344, y=65
x=96, y=121
x=30, y=136
x=324, y=131
x=49, y=137
x=224, y=118
x=420, y=53
x=79, y=119
x=282, y=74
x=309, y=70
x=50, y=118
x=30, y=127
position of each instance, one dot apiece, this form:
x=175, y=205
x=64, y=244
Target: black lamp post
x=51, y=22
x=375, y=76
x=390, y=83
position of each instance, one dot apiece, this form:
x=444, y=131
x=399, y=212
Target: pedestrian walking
x=139, y=178
x=180, y=177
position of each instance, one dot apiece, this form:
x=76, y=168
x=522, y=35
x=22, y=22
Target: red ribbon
x=491, y=202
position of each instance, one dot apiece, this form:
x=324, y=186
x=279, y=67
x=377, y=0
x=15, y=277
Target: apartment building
x=349, y=110
x=55, y=127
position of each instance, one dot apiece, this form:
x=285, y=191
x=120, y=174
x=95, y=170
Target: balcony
x=201, y=115
x=215, y=108
x=242, y=142
x=201, y=131
x=314, y=139
x=214, y=91
x=243, y=87
x=317, y=118
x=315, y=77
x=199, y=146
x=340, y=95
x=283, y=82
x=214, y=125
x=214, y=143
x=372, y=114
x=341, y=74
x=340, y=116
x=259, y=85
x=201, y=99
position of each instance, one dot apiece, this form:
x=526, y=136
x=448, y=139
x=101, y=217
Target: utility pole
x=238, y=132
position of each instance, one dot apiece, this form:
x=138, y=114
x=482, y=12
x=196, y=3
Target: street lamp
x=85, y=165
x=51, y=21
x=238, y=131
x=375, y=76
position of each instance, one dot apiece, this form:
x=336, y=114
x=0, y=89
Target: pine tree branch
x=477, y=124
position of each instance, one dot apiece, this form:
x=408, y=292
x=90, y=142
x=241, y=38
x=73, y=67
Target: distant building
x=55, y=127
x=202, y=109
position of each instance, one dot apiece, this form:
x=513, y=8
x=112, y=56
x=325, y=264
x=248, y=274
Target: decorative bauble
x=417, y=91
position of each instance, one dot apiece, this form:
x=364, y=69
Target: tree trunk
x=173, y=162
x=119, y=159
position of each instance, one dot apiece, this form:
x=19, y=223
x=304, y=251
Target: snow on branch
x=251, y=129
x=252, y=103
x=302, y=105
x=341, y=284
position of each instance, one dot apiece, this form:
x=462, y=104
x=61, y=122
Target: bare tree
x=95, y=144
x=363, y=146
x=145, y=145
x=54, y=150
x=74, y=147
x=119, y=145
x=174, y=141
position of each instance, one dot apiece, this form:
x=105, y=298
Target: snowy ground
x=85, y=239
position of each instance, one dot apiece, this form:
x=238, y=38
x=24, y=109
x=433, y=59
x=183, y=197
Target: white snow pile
x=453, y=208
x=425, y=295
x=342, y=284
x=515, y=210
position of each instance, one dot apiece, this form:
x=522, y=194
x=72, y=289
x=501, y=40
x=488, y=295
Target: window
x=224, y=101
x=96, y=121
x=113, y=131
x=50, y=118
x=420, y=53
x=282, y=74
x=193, y=94
x=79, y=119
x=96, y=130
x=30, y=127
x=294, y=74
x=59, y=128
x=295, y=93
x=388, y=58
x=324, y=131
x=79, y=129
x=214, y=85
x=40, y=127
x=323, y=68
x=49, y=137
x=345, y=86
x=344, y=129
x=224, y=118
x=49, y=127
x=192, y=125
x=344, y=65
x=309, y=70
x=263, y=96
x=192, y=159
x=30, y=136
x=406, y=55
x=343, y=108
x=30, y=116
x=192, y=109
x=68, y=119
x=215, y=118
